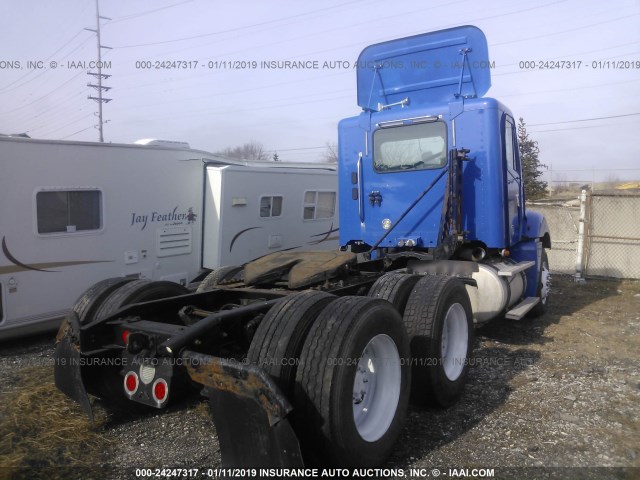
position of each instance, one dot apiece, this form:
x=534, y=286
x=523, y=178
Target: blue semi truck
x=312, y=358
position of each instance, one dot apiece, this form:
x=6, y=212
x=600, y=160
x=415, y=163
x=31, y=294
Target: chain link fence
x=563, y=221
x=610, y=245
x=612, y=240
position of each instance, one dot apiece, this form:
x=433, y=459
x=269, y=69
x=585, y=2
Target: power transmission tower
x=99, y=75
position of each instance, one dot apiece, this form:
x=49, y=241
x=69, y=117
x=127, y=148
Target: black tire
x=395, y=288
x=90, y=301
x=541, y=306
x=105, y=381
x=436, y=380
x=324, y=395
x=218, y=276
x=278, y=341
x=139, y=291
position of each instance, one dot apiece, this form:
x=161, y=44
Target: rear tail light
x=125, y=337
x=131, y=383
x=160, y=390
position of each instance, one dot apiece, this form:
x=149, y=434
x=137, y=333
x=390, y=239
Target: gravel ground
x=560, y=391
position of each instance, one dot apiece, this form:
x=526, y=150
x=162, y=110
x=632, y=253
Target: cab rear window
x=410, y=147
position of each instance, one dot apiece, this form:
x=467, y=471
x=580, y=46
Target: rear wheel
x=218, y=276
x=439, y=324
x=90, y=301
x=88, y=304
x=395, y=288
x=278, y=340
x=544, y=286
x=352, y=384
x=136, y=292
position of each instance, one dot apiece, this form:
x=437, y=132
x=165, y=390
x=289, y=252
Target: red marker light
x=160, y=390
x=131, y=383
x=125, y=337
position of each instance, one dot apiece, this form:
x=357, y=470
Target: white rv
x=73, y=213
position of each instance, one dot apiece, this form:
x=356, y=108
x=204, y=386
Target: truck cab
x=422, y=98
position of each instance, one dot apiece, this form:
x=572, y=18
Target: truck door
x=405, y=159
x=513, y=181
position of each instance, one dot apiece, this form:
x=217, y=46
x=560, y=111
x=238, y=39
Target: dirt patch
x=562, y=390
x=41, y=429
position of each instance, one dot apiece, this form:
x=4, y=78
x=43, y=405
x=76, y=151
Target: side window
x=318, y=205
x=68, y=211
x=271, y=206
x=510, y=145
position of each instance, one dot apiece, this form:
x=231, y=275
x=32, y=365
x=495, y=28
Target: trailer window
x=271, y=206
x=318, y=205
x=410, y=147
x=69, y=211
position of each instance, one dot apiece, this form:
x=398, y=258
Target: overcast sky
x=295, y=112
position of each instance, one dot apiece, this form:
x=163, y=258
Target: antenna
x=99, y=75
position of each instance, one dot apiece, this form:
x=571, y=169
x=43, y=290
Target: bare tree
x=252, y=151
x=534, y=187
x=330, y=155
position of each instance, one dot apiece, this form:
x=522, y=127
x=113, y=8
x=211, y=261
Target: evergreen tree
x=534, y=188
x=276, y=157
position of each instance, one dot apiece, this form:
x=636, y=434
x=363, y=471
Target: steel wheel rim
x=454, y=341
x=376, y=388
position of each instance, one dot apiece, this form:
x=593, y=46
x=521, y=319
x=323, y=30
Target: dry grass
x=40, y=427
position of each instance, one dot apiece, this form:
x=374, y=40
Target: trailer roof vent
x=152, y=142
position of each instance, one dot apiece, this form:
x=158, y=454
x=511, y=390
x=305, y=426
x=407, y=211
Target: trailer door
x=212, y=214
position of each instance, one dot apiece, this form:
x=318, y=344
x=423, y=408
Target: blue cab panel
x=396, y=148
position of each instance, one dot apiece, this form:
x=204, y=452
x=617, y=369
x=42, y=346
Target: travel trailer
x=74, y=213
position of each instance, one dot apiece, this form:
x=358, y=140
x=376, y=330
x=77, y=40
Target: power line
x=4, y=89
x=141, y=14
x=294, y=149
x=75, y=133
x=86, y=115
x=566, y=31
x=43, y=96
x=567, y=89
x=245, y=27
x=584, y=119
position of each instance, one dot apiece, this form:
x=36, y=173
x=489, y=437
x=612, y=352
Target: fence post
x=579, y=276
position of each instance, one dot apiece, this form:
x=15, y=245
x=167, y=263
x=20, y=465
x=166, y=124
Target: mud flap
x=249, y=412
x=67, y=374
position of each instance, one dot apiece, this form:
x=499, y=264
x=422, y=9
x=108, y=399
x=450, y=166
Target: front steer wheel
x=544, y=286
x=352, y=384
